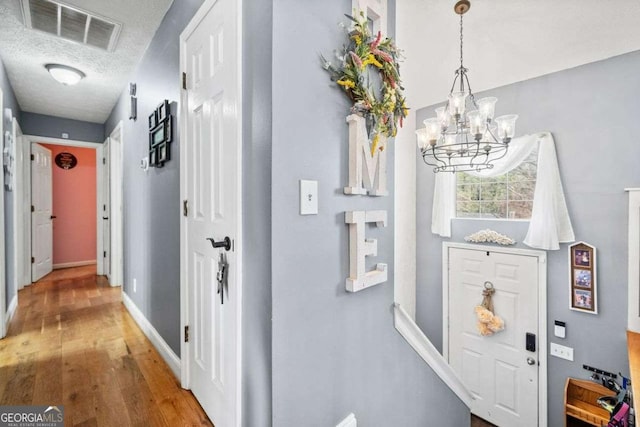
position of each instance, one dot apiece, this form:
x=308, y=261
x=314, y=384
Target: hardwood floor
x=479, y=422
x=73, y=343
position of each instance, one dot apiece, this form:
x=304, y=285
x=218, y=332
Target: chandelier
x=464, y=136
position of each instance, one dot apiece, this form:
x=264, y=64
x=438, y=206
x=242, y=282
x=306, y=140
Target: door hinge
x=104, y=254
x=33, y=157
x=184, y=81
x=104, y=160
x=33, y=260
x=33, y=209
x=104, y=208
x=185, y=207
x=186, y=333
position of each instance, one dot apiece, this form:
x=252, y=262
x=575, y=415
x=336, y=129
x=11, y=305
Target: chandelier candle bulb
x=507, y=126
x=487, y=108
x=457, y=101
x=443, y=117
x=422, y=138
x=433, y=129
x=476, y=123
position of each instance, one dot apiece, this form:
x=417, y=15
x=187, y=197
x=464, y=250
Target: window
x=508, y=196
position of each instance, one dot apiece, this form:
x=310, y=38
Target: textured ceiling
x=507, y=41
x=24, y=53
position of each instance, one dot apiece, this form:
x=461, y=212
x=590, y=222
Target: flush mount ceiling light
x=64, y=74
x=454, y=141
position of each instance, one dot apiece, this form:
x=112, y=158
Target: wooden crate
x=580, y=398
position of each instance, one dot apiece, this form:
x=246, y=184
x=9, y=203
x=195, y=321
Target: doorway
x=23, y=230
x=506, y=369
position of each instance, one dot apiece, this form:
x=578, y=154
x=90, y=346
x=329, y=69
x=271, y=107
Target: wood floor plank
x=72, y=343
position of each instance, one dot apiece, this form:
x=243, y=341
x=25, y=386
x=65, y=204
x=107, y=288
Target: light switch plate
x=308, y=197
x=561, y=351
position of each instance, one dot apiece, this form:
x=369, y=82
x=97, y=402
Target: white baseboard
x=421, y=344
x=147, y=328
x=11, y=310
x=73, y=264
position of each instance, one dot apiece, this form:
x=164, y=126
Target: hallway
x=72, y=343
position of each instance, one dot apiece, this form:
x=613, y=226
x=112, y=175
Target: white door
x=41, y=221
x=105, y=209
x=499, y=371
x=210, y=184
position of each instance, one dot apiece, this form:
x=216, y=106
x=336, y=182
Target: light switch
x=560, y=329
x=308, y=197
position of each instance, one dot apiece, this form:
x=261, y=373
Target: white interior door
x=106, y=209
x=211, y=158
x=499, y=371
x=41, y=200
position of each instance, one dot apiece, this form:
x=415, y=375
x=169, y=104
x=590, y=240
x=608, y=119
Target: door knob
x=105, y=217
x=531, y=361
x=53, y=217
x=225, y=243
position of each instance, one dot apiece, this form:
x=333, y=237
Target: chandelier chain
x=461, y=65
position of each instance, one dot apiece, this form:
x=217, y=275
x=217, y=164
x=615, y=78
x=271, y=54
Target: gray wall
x=592, y=112
x=9, y=101
x=333, y=352
x=53, y=127
x=152, y=199
x=256, y=294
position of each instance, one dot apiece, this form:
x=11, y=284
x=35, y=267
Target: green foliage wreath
x=385, y=108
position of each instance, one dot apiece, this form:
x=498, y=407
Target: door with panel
x=500, y=370
x=41, y=216
x=211, y=162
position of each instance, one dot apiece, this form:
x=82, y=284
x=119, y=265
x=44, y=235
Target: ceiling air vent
x=70, y=23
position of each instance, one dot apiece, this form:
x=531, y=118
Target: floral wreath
x=384, y=109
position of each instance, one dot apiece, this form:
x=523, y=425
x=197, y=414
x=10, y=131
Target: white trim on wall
x=423, y=346
x=11, y=311
x=542, y=311
x=152, y=334
x=73, y=264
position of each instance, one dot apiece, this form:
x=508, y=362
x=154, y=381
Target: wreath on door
x=488, y=322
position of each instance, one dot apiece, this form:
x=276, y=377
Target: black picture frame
x=153, y=120
x=160, y=134
x=163, y=110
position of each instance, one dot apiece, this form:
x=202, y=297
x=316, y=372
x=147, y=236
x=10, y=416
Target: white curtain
x=550, y=224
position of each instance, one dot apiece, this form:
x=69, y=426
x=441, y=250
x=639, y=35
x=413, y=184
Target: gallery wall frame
x=583, y=278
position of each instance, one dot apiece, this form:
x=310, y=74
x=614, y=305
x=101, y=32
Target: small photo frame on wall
x=582, y=267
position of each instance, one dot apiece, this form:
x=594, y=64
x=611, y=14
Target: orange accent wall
x=74, y=205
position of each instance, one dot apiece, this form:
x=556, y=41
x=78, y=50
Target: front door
x=41, y=217
x=499, y=371
x=210, y=188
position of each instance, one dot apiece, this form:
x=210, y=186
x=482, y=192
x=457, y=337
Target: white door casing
x=116, y=270
x=211, y=184
x=104, y=213
x=41, y=222
x=21, y=209
x=504, y=377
